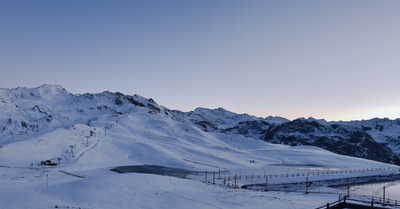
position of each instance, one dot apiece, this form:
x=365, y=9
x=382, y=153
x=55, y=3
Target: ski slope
x=94, y=140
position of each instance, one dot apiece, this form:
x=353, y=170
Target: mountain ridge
x=47, y=107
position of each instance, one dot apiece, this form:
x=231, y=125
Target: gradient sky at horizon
x=337, y=60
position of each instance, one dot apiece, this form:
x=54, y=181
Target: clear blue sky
x=338, y=60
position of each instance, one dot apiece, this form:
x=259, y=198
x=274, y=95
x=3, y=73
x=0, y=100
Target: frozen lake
x=154, y=169
x=375, y=189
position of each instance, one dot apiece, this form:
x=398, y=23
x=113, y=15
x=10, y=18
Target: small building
x=51, y=162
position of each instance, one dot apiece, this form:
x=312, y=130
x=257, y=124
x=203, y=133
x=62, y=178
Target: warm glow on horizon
x=337, y=60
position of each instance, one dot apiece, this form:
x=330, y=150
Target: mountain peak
x=46, y=92
x=50, y=90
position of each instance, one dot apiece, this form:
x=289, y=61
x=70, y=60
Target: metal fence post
x=235, y=180
x=307, y=185
x=47, y=182
x=383, y=203
x=213, y=177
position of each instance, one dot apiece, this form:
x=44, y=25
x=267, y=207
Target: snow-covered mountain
x=93, y=133
x=223, y=121
x=375, y=139
x=27, y=113
x=342, y=138
x=37, y=110
x=383, y=131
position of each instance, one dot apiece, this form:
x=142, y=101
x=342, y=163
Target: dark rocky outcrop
x=340, y=139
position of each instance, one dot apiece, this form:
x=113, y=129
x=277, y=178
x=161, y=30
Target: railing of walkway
x=354, y=203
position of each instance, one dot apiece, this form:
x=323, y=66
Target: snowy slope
x=93, y=133
x=49, y=122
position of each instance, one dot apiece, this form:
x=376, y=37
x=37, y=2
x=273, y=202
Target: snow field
x=95, y=135
x=104, y=189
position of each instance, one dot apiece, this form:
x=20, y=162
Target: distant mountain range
x=375, y=139
x=28, y=111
